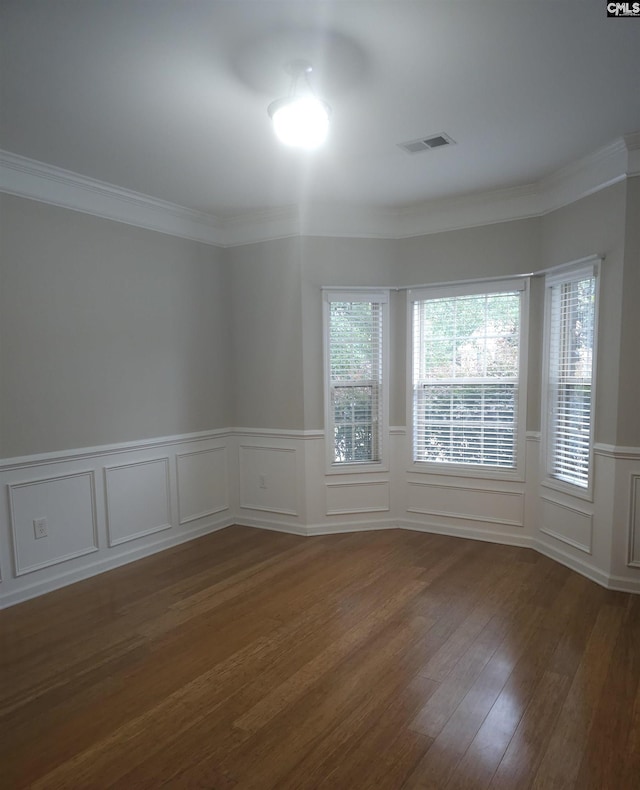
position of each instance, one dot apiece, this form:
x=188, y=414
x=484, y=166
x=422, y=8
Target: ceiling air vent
x=427, y=143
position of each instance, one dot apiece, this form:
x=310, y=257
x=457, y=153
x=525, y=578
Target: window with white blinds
x=466, y=374
x=571, y=318
x=355, y=342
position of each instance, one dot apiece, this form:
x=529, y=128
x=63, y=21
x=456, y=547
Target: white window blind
x=570, y=376
x=466, y=360
x=355, y=347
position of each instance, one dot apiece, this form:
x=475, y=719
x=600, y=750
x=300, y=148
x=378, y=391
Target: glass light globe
x=302, y=122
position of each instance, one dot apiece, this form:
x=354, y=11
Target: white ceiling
x=169, y=97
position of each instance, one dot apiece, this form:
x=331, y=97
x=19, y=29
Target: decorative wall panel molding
x=137, y=499
x=268, y=478
x=357, y=497
x=68, y=504
x=567, y=524
x=462, y=502
x=634, y=523
x=203, y=483
x=122, y=514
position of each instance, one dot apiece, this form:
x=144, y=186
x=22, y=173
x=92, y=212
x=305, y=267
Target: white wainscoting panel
x=68, y=503
x=466, y=503
x=137, y=499
x=567, y=524
x=276, y=480
x=203, y=483
x=634, y=523
x=113, y=503
x=357, y=497
x=268, y=478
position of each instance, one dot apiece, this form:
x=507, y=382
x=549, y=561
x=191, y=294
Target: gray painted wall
x=493, y=250
x=109, y=333
x=628, y=429
x=339, y=262
x=499, y=250
x=596, y=225
x=266, y=334
x=112, y=333
x=503, y=249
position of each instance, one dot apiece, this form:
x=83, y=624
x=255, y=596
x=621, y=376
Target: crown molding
x=46, y=183
x=468, y=211
x=251, y=227
x=596, y=171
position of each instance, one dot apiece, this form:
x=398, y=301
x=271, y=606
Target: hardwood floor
x=251, y=659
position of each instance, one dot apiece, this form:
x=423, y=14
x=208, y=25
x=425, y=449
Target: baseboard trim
x=575, y=564
x=349, y=526
x=470, y=533
x=311, y=530
x=621, y=584
x=110, y=562
x=271, y=525
x=585, y=569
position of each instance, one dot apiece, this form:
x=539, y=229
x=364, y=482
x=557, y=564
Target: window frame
x=587, y=268
x=474, y=288
x=374, y=295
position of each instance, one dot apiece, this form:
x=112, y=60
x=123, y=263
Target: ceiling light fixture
x=300, y=119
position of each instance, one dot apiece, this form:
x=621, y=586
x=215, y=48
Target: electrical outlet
x=263, y=481
x=40, y=527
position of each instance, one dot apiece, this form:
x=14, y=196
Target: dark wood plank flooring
x=252, y=659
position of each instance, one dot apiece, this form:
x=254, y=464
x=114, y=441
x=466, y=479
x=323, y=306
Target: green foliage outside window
x=465, y=374
x=355, y=344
